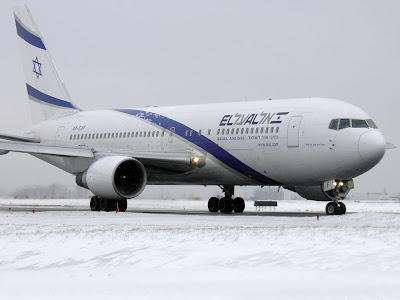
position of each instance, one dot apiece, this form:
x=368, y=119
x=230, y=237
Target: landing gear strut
x=97, y=204
x=336, y=207
x=226, y=204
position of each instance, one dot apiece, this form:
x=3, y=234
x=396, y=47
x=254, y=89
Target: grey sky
x=136, y=53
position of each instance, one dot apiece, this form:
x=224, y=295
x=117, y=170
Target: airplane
x=312, y=146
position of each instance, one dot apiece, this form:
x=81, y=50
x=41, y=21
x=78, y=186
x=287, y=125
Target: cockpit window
x=344, y=123
x=371, y=124
x=337, y=124
x=334, y=124
x=359, y=124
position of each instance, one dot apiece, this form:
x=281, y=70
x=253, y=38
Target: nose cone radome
x=372, y=147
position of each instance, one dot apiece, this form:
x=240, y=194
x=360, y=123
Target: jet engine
x=114, y=177
x=337, y=190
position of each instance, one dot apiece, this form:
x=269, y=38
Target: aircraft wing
x=176, y=161
x=389, y=146
x=16, y=138
x=37, y=148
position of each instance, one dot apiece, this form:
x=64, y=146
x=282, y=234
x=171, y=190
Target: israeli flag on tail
x=47, y=93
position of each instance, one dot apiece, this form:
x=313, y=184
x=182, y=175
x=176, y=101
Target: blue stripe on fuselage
x=46, y=98
x=29, y=37
x=202, y=142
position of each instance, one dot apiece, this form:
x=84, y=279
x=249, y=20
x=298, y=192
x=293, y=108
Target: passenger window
x=77, y=137
x=136, y=134
x=223, y=131
x=344, y=123
x=158, y=133
x=74, y=136
x=359, y=124
x=266, y=129
x=140, y=135
x=218, y=132
x=334, y=124
x=251, y=131
x=256, y=130
x=171, y=132
x=372, y=124
x=120, y=135
x=186, y=132
x=237, y=130
x=85, y=136
x=247, y=130
x=262, y=130
x=277, y=129
x=153, y=133
x=227, y=131
x=109, y=135
x=272, y=129
x=232, y=131
x=191, y=132
x=242, y=131
x=128, y=135
x=144, y=134
x=97, y=136
x=209, y=131
x=200, y=132
x=70, y=137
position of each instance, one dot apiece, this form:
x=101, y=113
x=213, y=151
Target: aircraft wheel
x=122, y=205
x=225, y=205
x=112, y=205
x=213, y=203
x=95, y=203
x=342, y=208
x=104, y=206
x=239, y=205
x=331, y=208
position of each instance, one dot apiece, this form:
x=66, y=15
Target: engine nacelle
x=114, y=177
x=319, y=193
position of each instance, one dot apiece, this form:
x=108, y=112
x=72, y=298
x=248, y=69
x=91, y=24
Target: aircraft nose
x=372, y=147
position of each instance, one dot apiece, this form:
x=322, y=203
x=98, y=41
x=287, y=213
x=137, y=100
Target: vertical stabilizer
x=47, y=94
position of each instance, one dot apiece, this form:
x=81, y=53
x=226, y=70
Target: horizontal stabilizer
x=34, y=148
x=390, y=146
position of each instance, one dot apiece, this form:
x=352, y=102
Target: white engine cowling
x=114, y=177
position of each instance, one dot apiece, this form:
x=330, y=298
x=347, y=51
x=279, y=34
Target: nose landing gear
x=335, y=208
x=226, y=204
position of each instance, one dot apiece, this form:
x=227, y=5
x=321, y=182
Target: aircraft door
x=171, y=134
x=293, y=131
x=59, y=134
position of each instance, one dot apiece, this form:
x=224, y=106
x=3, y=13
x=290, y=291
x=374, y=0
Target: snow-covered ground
x=99, y=255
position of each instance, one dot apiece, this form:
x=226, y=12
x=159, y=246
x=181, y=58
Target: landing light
x=196, y=160
x=341, y=183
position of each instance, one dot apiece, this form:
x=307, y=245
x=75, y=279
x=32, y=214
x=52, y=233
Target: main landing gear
x=335, y=208
x=226, y=204
x=97, y=204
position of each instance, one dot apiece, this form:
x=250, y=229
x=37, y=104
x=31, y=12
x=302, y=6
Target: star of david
x=37, y=64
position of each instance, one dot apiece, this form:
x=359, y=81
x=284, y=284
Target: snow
x=63, y=254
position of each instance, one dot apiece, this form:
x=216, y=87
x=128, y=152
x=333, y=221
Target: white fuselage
x=278, y=142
